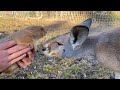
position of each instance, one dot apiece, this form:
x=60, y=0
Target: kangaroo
x=27, y=36
x=105, y=46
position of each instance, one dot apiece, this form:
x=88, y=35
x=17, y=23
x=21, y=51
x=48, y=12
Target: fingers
x=4, y=64
x=16, y=59
x=21, y=64
x=31, y=55
x=17, y=54
x=7, y=44
x=15, y=49
x=26, y=61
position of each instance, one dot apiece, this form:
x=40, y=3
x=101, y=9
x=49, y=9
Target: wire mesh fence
x=109, y=18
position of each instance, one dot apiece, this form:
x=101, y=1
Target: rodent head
x=37, y=31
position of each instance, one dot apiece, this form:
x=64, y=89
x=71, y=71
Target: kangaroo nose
x=44, y=49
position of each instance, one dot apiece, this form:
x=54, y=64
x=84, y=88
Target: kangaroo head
x=67, y=44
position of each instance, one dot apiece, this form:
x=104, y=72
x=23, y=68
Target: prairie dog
x=27, y=36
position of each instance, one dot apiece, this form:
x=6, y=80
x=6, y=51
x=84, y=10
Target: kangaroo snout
x=44, y=48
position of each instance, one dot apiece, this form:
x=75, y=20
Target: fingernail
x=24, y=54
x=32, y=57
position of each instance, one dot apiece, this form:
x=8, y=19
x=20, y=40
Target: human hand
x=11, y=53
x=26, y=60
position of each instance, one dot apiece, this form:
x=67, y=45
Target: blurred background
x=108, y=17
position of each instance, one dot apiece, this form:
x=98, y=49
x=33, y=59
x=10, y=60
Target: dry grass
x=53, y=68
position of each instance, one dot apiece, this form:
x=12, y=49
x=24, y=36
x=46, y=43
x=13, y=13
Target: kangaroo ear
x=80, y=33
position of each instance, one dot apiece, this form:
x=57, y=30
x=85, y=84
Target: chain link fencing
x=108, y=18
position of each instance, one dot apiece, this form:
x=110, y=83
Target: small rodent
x=27, y=36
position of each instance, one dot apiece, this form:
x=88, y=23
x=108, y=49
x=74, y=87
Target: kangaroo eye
x=59, y=43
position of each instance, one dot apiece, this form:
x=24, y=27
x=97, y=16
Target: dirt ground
x=52, y=68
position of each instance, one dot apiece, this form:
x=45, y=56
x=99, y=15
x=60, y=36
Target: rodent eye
x=42, y=28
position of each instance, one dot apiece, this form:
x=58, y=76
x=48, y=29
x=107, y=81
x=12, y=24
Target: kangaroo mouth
x=51, y=54
x=47, y=53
